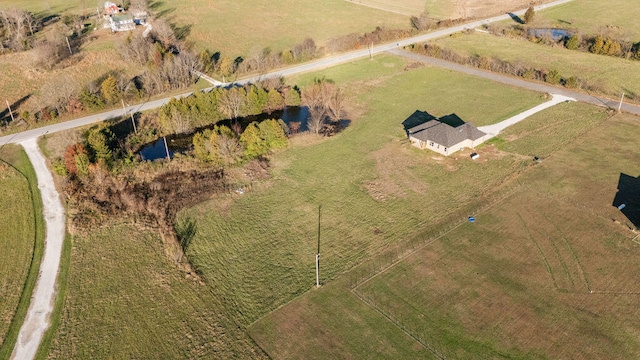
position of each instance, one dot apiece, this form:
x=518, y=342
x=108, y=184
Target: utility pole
x=10, y=112
x=318, y=254
x=68, y=45
x=620, y=105
x=133, y=122
x=166, y=148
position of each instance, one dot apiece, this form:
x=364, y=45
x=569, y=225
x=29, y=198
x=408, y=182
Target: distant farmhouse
x=118, y=21
x=445, y=135
x=121, y=23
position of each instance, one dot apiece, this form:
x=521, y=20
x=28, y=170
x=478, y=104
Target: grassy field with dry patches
x=247, y=27
x=373, y=187
x=612, y=75
x=21, y=237
x=593, y=17
x=126, y=300
x=546, y=273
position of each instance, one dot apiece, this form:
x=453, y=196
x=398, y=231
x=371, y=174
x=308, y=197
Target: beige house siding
x=444, y=150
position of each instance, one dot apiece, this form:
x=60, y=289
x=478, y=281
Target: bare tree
x=18, y=25
x=58, y=92
x=323, y=99
x=136, y=49
x=313, y=99
x=422, y=22
x=335, y=104
x=163, y=33
x=232, y=102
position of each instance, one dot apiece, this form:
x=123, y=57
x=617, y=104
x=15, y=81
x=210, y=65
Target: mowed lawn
x=17, y=232
x=545, y=273
x=246, y=27
x=612, y=75
x=257, y=249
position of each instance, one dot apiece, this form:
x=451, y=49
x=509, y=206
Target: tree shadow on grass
x=516, y=18
x=5, y=116
x=627, y=198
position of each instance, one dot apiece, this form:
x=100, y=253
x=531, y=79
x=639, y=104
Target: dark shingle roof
x=445, y=134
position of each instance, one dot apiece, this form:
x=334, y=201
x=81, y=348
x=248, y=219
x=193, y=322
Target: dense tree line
x=207, y=108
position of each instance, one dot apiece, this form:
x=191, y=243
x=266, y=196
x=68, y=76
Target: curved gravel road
x=42, y=300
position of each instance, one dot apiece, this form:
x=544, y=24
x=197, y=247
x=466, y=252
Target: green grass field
x=246, y=27
x=373, y=187
x=593, y=17
x=516, y=283
x=256, y=250
x=126, y=300
x=613, y=75
x=20, y=231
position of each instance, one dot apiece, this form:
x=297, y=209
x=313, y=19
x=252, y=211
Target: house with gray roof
x=121, y=23
x=445, y=135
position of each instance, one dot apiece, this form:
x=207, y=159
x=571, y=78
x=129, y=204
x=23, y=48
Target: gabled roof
x=444, y=134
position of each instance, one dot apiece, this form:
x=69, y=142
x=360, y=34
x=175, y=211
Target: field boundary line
x=399, y=325
x=408, y=253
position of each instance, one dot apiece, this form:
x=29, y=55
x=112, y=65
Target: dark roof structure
x=629, y=195
x=444, y=134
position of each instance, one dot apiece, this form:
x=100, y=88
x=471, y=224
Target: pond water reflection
x=181, y=143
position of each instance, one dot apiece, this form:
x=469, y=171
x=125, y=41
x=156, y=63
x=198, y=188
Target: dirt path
x=495, y=129
x=41, y=306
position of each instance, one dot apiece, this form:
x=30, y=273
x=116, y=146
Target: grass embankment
x=593, y=17
x=245, y=28
x=516, y=283
x=610, y=74
x=21, y=241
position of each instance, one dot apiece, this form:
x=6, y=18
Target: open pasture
x=245, y=28
x=546, y=273
x=610, y=17
x=374, y=188
x=610, y=75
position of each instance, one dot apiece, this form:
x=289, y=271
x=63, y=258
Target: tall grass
x=21, y=241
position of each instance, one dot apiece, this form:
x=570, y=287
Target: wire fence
x=400, y=251
x=391, y=257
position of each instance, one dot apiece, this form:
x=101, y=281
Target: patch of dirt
x=414, y=65
x=395, y=178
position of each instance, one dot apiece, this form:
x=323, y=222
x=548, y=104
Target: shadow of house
x=629, y=195
x=445, y=135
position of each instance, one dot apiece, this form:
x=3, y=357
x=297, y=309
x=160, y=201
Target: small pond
x=551, y=33
x=182, y=142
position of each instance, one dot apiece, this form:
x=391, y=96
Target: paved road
x=311, y=66
x=495, y=129
x=41, y=306
x=590, y=99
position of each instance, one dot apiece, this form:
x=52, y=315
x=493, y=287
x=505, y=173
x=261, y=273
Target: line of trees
x=551, y=76
x=207, y=108
x=601, y=44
